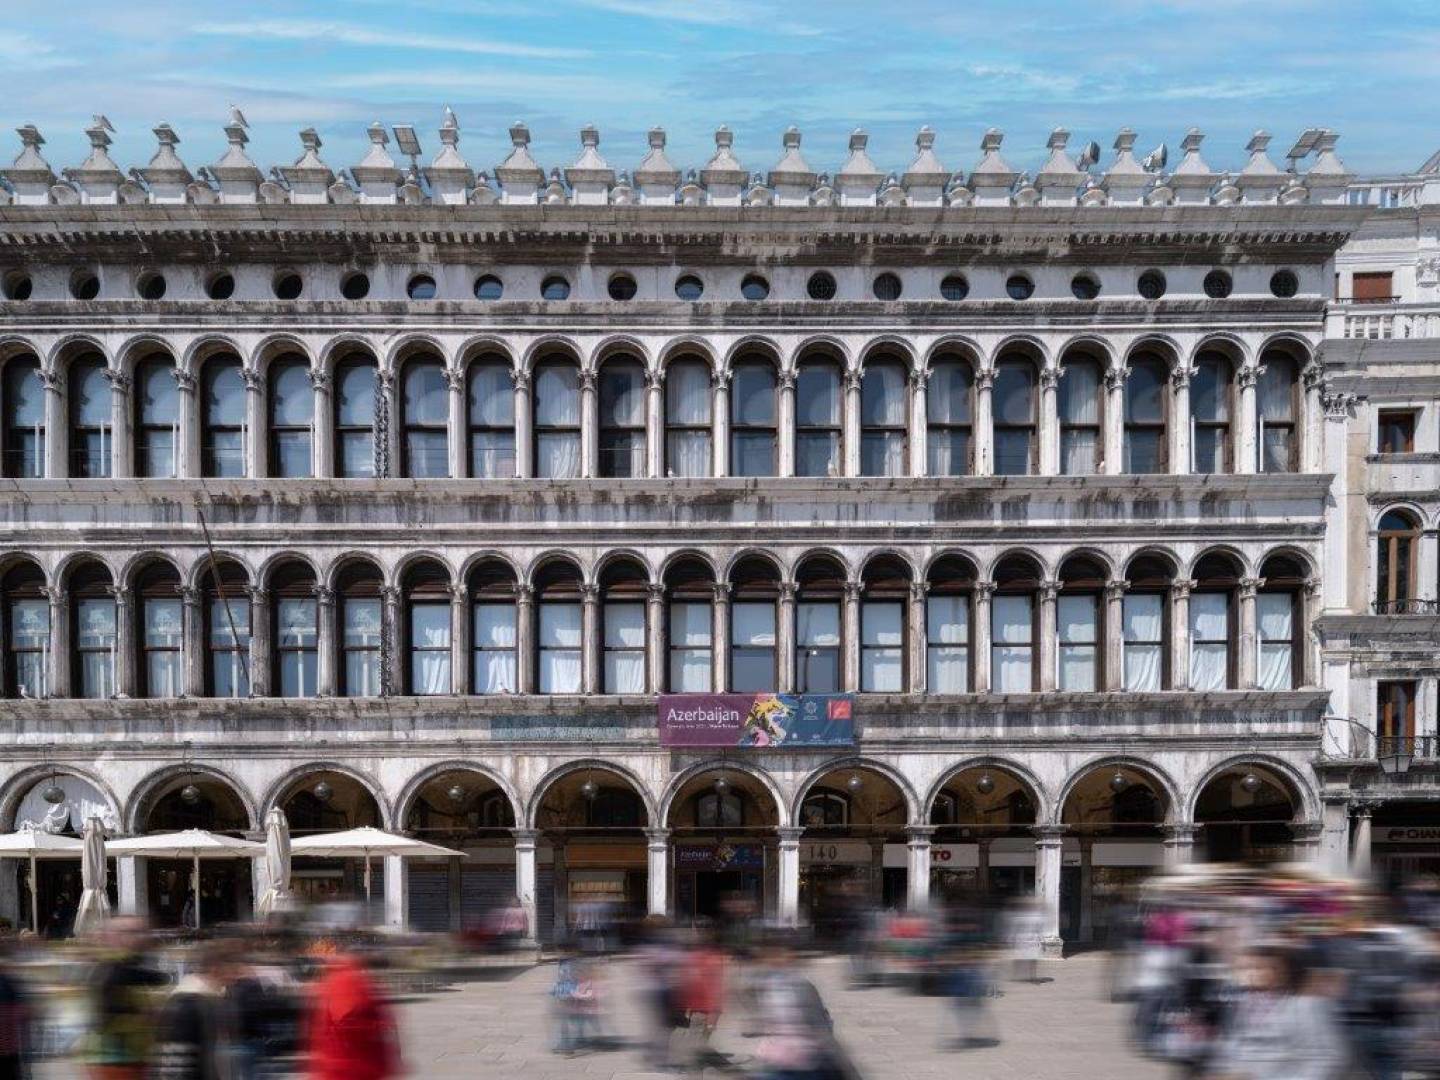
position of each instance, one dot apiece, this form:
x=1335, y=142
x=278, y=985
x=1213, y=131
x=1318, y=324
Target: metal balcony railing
x=1407, y=747
x=1410, y=606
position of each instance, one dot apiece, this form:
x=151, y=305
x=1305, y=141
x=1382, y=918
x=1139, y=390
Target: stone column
x=10, y=895
x=457, y=427
x=1049, y=436
x=789, y=906
x=1360, y=853
x=459, y=640
x=326, y=642
x=982, y=864
x=919, y=451
x=590, y=652
x=917, y=866
x=1426, y=584
x=720, y=423
x=122, y=438
x=260, y=642
x=657, y=871
x=397, y=894
x=785, y=422
x=1307, y=835
x=654, y=424
x=57, y=663
x=655, y=639
x=589, y=424
x=1112, y=667
x=1309, y=644
x=256, y=439
x=187, y=429
x=1247, y=442
x=192, y=649
x=1087, y=898
x=1114, y=420
x=125, y=631
x=55, y=463
x=525, y=880
x=1336, y=461
x=322, y=426
x=1179, y=844
x=525, y=639
x=1180, y=634
x=1249, y=657
x=392, y=660
x=984, y=429
x=980, y=636
x=850, y=638
x=918, y=636
x=132, y=886
x=1312, y=418
x=524, y=430
x=720, y=638
x=1180, y=449
x=1049, y=650
x=1335, y=856
x=785, y=639
x=1048, y=840
x=387, y=423
x=850, y=424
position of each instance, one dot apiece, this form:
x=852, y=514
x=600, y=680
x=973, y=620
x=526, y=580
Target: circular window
x=821, y=286
x=1084, y=287
x=355, y=286
x=1284, y=284
x=489, y=287
x=754, y=287
x=150, y=286
x=1019, y=287
x=887, y=287
x=18, y=285
x=1151, y=285
x=1217, y=285
x=288, y=286
x=689, y=287
x=954, y=287
x=421, y=287
x=555, y=288
x=622, y=287
x=84, y=285
x=220, y=286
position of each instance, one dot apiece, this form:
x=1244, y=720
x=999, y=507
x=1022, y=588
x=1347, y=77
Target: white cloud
x=21, y=50
x=346, y=34
x=701, y=13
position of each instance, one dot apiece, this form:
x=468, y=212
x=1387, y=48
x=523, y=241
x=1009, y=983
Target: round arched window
x=1085, y=286
x=288, y=286
x=821, y=286
x=954, y=287
x=754, y=287
x=689, y=287
x=356, y=286
x=887, y=287
x=555, y=287
x=622, y=287
x=1284, y=284
x=220, y=286
x=1151, y=285
x=1019, y=287
x=421, y=287
x=1217, y=285
x=489, y=287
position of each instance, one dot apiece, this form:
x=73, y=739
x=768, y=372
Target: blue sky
x=1372, y=72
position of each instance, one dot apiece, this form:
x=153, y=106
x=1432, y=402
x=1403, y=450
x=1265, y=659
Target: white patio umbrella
x=33, y=844
x=94, y=906
x=277, y=863
x=193, y=844
x=365, y=842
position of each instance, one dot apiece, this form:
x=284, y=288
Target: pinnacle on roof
x=991, y=163
x=235, y=156
x=925, y=171
x=724, y=167
x=792, y=168
x=519, y=165
x=1259, y=163
x=656, y=167
x=590, y=165
x=858, y=167
x=1327, y=162
x=449, y=156
x=1192, y=164
x=1058, y=169
x=30, y=159
x=378, y=156
x=165, y=167
x=1125, y=163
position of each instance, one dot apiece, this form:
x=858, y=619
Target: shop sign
x=719, y=857
x=757, y=721
x=1410, y=834
x=836, y=853
x=607, y=856
x=942, y=856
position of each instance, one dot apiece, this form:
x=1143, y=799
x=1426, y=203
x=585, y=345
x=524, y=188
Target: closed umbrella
x=36, y=844
x=192, y=844
x=277, y=864
x=365, y=842
x=94, y=906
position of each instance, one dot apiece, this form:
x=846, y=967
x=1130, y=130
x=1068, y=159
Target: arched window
x=622, y=418
x=1014, y=424
x=91, y=438
x=24, y=420
x=754, y=664
x=886, y=582
x=823, y=807
x=492, y=420
x=355, y=419
x=949, y=408
x=1276, y=407
x=494, y=632
x=426, y=589
x=425, y=412
x=820, y=585
x=882, y=420
x=292, y=417
x=947, y=625
x=357, y=588
x=1278, y=617
x=1397, y=542
x=1078, y=626
x=1079, y=409
x=690, y=588
x=161, y=633
x=817, y=419
x=687, y=419
x=1211, y=406
x=1212, y=623
x=222, y=416
x=622, y=595
x=93, y=638
x=157, y=419
x=557, y=420
x=1012, y=626
x=1145, y=416
x=558, y=643
x=226, y=598
x=1146, y=619
x=752, y=419
x=27, y=632
x=296, y=630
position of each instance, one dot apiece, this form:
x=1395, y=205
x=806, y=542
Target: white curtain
x=430, y=645
x=1011, y=623
x=690, y=648
x=30, y=631
x=559, y=649
x=1079, y=405
x=557, y=455
x=882, y=654
x=1144, y=645
x=1077, y=628
x=1276, y=616
x=687, y=453
x=494, y=644
x=1079, y=449
x=163, y=631
x=687, y=394
x=947, y=628
x=557, y=404
x=1209, y=640
x=624, y=648
x=882, y=396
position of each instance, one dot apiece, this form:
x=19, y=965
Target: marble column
x=1311, y=418
x=57, y=660
x=1112, y=667
x=1310, y=599
x=1360, y=852
x=918, y=636
x=590, y=653
x=1049, y=435
x=785, y=422
x=1048, y=652
x=785, y=639
x=657, y=871
x=192, y=649
x=55, y=462
x=1048, y=841
x=122, y=437
x=525, y=631
x=589, y=424
x=387, y=424
x=132, y=886
x=457, y=426
x=917, y=866
x=984, y=428
x=257, y=428
x=326, y=642
x=850, y=420
x=1178, y=844
x=460, y=646
x=261, y=642
x=1180, y=634
x=980, y=636
x=525, y=881
x=186, y=448
x=720, y=638
x=1249, y=658
x=125, y=633
x=789, y=859
x=1307, y=842
x=720, y=423
x=397, y=894
x=1247, y=450
x=919, y=450
x=1180, y=450
x=654, y=423
x=1114, y=419
x=392, y=662
x=524, y=431
x=322, y=426
x=655, y=638
x=850, y=638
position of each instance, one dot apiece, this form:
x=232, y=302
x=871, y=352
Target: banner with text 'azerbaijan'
x=757, y=721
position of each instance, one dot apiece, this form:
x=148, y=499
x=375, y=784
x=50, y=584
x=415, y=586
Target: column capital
x=520, y=378
x=184, y=380
x=454, y=380
x=853, y=589
x=119, y=593
x=1116, y=589
x=1248, y=376
x=720, y=379
x=787, y=591
x=384, y=380
x=587, y=379
x=654, y=379
x=589, y=593
x=459, y=594
x=984, y=590
x=655, y=592
x=524, y=593
x=919, y=590
x=1115, y=378
x=525, y=836
x=1048, y=835
x=118, y=380
x=324, y=595
x=390, y=595
x=1180, y=377
x=919, y=378
x=258, y=594
x=1180, y=832
x=51, y=380
x=253, y=382
x=1049, y=378
x=657, y=837
x=789, y=834
x=985, y=379
x=785, y=379
x=721, y=591
x=189, y=594
x=1250, y=586
x=56, y=594
x=919, y=833
x=853, y=379
x=1180, y=588
x=1049, y=590
x=1362, y=808
x=320, y=380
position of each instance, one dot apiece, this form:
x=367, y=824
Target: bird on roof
x=237, y=117
x=103, y=123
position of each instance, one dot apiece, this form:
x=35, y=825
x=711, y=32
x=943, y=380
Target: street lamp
x=986, y=784
x=1395, y=757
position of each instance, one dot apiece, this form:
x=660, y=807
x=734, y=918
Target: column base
x=1052, y=948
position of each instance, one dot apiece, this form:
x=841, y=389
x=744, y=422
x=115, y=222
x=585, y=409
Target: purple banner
x=757, y=721
x=723, y=856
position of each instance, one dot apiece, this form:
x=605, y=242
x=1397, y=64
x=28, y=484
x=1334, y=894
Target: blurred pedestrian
x=799, y=1039
x=351, y=1033
x=195, y=1030
x=121, y=989
x=702, y=992
x=1279, y=1028
x=16, y=1018
x=577, y=1004
x=967, y=984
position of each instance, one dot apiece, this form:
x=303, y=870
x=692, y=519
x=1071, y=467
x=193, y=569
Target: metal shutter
x=483, y=890
x=545, y=904
x=430, y=898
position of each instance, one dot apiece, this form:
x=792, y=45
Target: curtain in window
x=225, y=420
x=687, y=411
x=1077, y=626
x=495, y=642
x=1012, y=622
x=557, y=404
x=1275, y=613
x=948, y=399
x=95, y=637
x=159, y=408
x=1209, y=641
x=295, y=638
x=817, y=405
x=559, y=649
x=492, y=396
x=430, y=648
x=361, y=631
x=292, y=412
x=947, y=631
x=355, y=419
x=1144, y=642
x=25, y=420
x=90, y=412
x=624, y=648
x=30, y=645
x=882, y=653
x=1079, y=409
x=230, y=649
x=162, y=648
x=690, y=648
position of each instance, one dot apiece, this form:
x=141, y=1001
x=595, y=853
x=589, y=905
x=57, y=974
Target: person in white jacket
x=1279, y=1027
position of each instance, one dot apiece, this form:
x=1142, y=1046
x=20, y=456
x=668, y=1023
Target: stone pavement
x=500, y=1028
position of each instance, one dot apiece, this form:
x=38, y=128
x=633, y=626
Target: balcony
x=1382, y=320
x=1406, y=607
x=1397, y=753
x=1390, y=475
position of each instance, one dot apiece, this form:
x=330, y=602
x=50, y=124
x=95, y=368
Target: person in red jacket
x=702, y=990
x=351, y=1033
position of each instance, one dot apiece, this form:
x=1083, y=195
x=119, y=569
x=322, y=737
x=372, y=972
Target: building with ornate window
x=400, y=497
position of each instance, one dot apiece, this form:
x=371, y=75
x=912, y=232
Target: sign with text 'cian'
x=757, y=721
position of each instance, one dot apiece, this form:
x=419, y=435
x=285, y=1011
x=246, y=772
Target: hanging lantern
x=53, y=793
x=855, y=783
x=1250, y=782
x=324, y=792
x=190, y=794
x=1118, y=783
x=721, y=785
x=589, y=788
x=986, y=784
x=456, y=793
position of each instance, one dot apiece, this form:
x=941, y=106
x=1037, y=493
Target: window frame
x=92, y=584
x=343, y=369
x=1227, y=391
x=610, y=429
x=359, y=584
x=80, y=457
x=889, y=431
x=301, y=589
x=1070, y=427
x=164, y=588
x=1386, y=708
x=702, y=429
x=539, y=430
x=741, y=428
x=412, y=425
x=210, y=428
x=30, y=589
x=213, y=593
x=1161, y=427
x=15, y=452
x=142, y=453
x=475, y=432
x=276, y=430
x=1029, y=428
x=1388, y=587
x=1386, y=419
x=950, y=428
x=833, y=431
